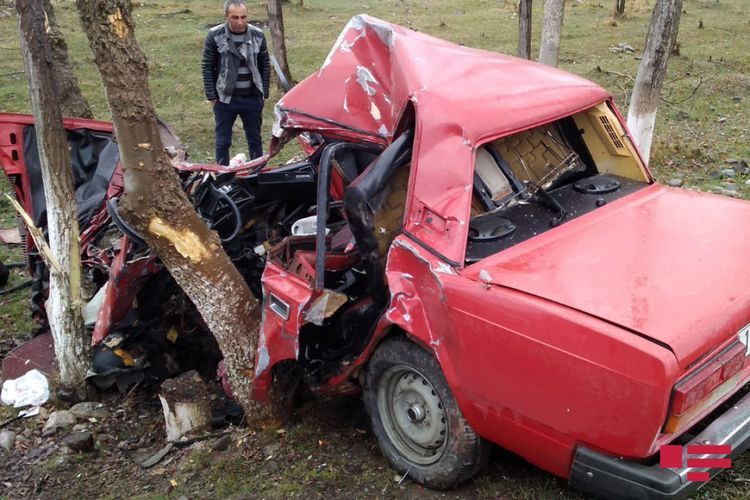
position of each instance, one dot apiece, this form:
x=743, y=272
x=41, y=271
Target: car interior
x=532, y=181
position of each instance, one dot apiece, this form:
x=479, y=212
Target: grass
x=703, y=124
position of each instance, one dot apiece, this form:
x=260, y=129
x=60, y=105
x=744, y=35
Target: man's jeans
x=250, y=111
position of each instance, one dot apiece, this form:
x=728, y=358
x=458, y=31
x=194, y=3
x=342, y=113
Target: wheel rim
x=413, y=415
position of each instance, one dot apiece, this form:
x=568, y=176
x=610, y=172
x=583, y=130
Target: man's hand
x=213, y=101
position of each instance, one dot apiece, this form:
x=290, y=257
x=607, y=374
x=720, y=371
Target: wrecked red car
x=506, y=270
x=474, y=244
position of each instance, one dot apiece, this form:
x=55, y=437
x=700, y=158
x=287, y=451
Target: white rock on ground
x=90, y=410
x=59, y=419
x=7, y=439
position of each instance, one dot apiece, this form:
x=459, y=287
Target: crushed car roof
x=461, y=97
x=376, y=67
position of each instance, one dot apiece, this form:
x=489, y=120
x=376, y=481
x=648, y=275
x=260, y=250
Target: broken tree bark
x=154, y=203
x=549, y=48
x=72, y=101
x=64, y=304
x=524, y=29
x=278, y=38
x=662, y=35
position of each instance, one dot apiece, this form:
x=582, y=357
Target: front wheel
x=416, y=419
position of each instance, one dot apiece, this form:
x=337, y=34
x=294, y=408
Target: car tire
x=416, y=419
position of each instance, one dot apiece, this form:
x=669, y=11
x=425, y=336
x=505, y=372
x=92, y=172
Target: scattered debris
x=31, y=389
x=621, y=48
x=38, y=353
x=147, y=459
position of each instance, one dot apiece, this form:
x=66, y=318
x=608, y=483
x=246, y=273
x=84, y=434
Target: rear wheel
x=416, y=419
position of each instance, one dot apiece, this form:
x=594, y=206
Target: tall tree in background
x=278, y=37
x=64, y=305
x=549, y=48
x=524, y=29
x=72, y=102
x=154, y=203
x=619, y=8
x=662, y=35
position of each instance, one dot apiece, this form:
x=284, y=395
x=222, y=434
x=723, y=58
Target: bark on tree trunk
x=186, y=402
x=619, y=8
x=549, y=48
x=64, y=304
x=662, y=35
x=524, y=29
x=278, y=38
x=154, y=203
x=71, y=99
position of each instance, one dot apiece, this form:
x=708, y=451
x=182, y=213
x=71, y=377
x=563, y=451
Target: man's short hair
x=229, y=3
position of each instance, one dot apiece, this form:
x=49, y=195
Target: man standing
x=236, y=77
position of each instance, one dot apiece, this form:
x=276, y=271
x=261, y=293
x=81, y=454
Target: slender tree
x=64, y=304
x=549, y=48
x=72, y=101
x=524, y=29
x=662, y=36
x=278, y=37
x=154, y=203
x=619, y=10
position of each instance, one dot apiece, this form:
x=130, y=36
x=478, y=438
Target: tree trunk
x=549, y=49
x=64, y=304
x=524, y=29
x=154, y=203
x=278, y=38
x=186, y=402
x=619, y=8
x=662, y=35
x=71, y=99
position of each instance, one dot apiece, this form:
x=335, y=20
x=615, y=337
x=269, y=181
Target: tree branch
x=701, y=81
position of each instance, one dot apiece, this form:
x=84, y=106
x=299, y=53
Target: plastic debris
x=31, y=389
x=237, y=160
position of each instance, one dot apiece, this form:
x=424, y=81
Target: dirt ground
x=326, y=450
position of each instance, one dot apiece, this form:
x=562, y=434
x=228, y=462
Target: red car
x=505, y=271
x=475, y=245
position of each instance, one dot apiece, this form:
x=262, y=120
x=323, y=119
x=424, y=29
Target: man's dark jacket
x=221, y=60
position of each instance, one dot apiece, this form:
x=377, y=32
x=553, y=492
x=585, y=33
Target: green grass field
x=703, y=125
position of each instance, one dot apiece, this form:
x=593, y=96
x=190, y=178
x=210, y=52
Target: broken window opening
x=537, y=179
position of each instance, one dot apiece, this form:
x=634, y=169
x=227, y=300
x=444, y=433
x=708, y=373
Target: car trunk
x=668, y=264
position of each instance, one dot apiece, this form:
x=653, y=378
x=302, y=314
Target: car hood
x=669, y=264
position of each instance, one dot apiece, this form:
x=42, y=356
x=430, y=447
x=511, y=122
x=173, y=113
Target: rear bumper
x=613, y=478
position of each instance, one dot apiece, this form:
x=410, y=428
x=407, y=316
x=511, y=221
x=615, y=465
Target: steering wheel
x=123, y=226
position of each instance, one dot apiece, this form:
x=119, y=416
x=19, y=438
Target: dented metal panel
x=127, y=275
x=279, y=336
x=376, y=68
